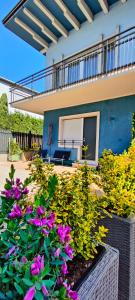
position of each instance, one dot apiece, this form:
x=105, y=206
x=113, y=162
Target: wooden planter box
x=101, y=283
x=121, y=235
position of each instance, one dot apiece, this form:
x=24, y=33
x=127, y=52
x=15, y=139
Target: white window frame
x=80, y=116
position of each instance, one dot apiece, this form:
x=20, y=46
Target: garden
x=63, y=241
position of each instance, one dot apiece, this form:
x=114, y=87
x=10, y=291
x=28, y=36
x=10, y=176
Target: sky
x=17, y=58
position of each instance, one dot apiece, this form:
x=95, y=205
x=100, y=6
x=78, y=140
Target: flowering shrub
x=34, y=254
x=118, y=180
x=15, y=192
x=69, y=196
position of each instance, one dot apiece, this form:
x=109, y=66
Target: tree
x=18, y=122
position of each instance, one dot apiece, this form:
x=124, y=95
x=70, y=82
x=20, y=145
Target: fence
x=25, y=140
x=113, y=54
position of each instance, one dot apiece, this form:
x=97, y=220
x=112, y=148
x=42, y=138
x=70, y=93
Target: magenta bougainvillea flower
x=70, y=293
x=69, y=251
x=64, y=233
x=11, y=251
x=64, y=269
x=38, y=222
x=40, y=210
x=30, y=294
x=25, y=191
x=51, y=221
x=29, y=210
x=57, y=252
x=18, y=181
x=16, y=212
x=44, y=290
x=45, y=232
x=24, y=260
x=37, y=266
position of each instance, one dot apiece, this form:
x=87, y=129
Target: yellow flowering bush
x=73, y=203
x=118, y=180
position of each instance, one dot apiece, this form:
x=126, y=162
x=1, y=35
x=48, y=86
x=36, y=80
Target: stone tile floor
x=22, y=170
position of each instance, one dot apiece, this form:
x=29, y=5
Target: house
x=87, y=90
x=7, y=87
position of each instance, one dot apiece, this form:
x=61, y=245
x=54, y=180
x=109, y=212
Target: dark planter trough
x=121, y=235
x=101, y=283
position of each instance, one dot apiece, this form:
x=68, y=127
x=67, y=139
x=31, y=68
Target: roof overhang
x=42, y=22
x=108, y=87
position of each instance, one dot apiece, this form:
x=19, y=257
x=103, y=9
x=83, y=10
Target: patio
x=22, y=170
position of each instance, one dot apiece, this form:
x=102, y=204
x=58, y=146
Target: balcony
x=112, y=59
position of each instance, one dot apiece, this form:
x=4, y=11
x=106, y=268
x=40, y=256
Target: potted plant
x=117, y=173
x=28, y=154
x=14, y=150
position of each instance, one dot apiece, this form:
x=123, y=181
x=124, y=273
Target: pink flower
x=69, y=251
x=44, y=290
x=25, y=191
x=40, y=210
x=36, y=222
x=11, y=251
x=29, y=210
x=16, y=212
x=64, y=233
x=30, y=294
x=57, y=252
x=37, y=266
x=64, y=269
x=45, y=232
x=34, y=269
x=18, y=181
x=73, y=295
x=24, y=260
x=44, y=221
x=51, y=220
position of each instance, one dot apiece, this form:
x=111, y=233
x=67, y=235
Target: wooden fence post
x=29, y=140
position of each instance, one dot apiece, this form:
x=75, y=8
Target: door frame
x=81, y=116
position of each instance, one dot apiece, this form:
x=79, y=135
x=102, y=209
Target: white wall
x=6, y=89
x=122, y=15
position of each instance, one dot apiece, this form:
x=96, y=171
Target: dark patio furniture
x=59, y=157
x=43, y=153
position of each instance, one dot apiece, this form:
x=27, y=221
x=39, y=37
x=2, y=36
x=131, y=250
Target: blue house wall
x=120, y=17
x=115, y=124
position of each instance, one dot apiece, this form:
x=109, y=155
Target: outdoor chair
x=59, y=157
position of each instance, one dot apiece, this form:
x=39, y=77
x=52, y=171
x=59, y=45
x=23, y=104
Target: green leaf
x=46, y=270
x=2, y=296
x=9, y=294
x=24, y=236
x=38, y=286
x=12, y=172
x=45, y=248
x=19, y=289
x=5, y=280
x=48, y=283
x=62, y=293
x=39, y=296
x=27, y=282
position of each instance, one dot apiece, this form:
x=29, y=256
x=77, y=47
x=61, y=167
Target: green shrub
x=70, y=197
x=118, y=181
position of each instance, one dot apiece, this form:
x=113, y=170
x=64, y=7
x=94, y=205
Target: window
x=109, y=55
x=73, y=72
x=91, y=66
x=72, y=130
